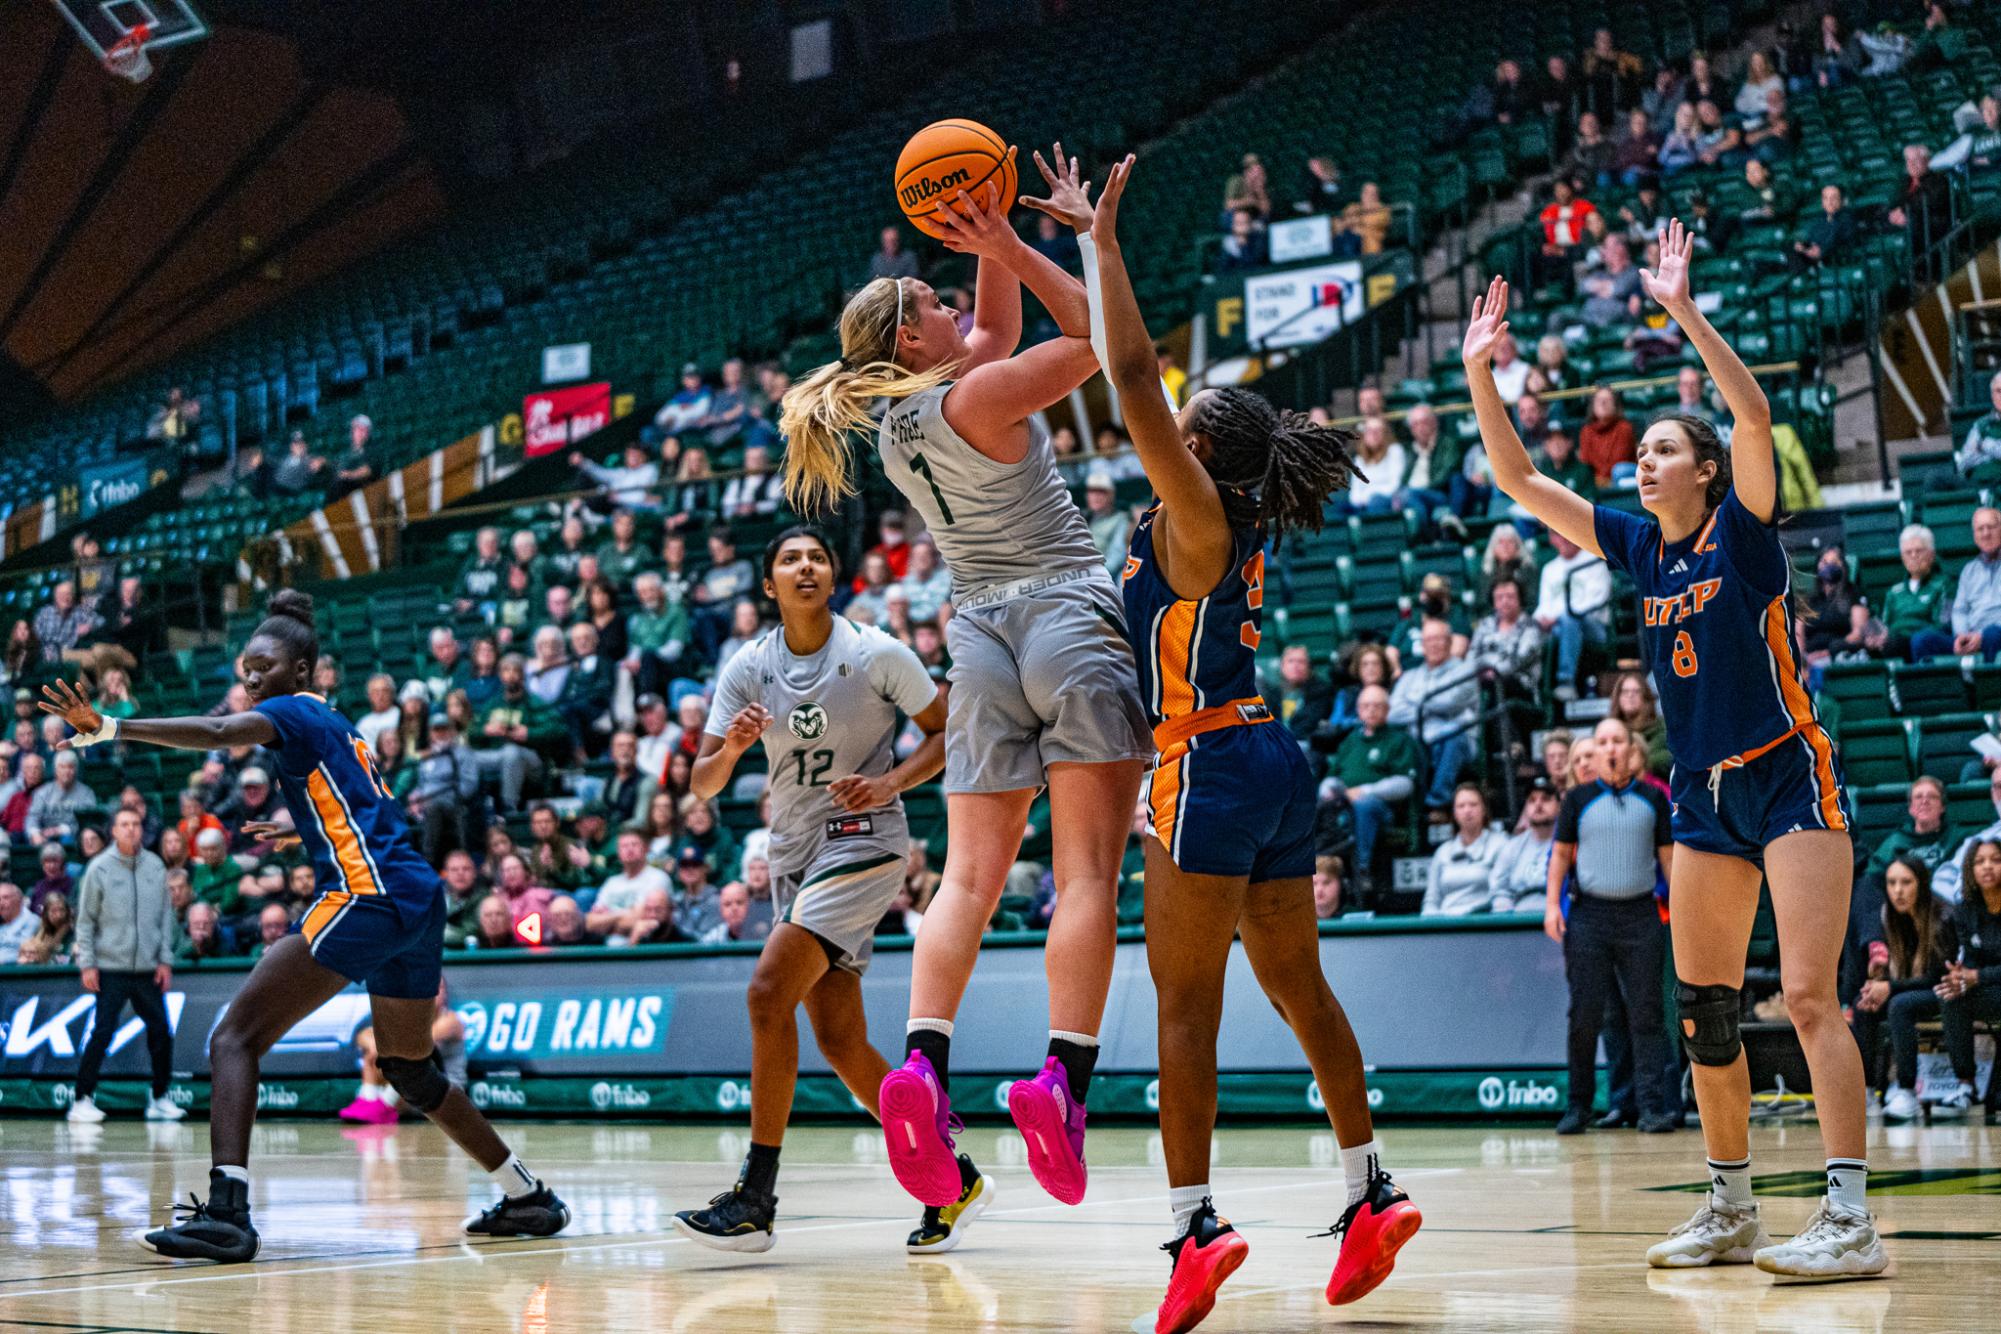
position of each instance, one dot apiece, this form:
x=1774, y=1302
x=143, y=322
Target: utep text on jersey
x=1717, y=631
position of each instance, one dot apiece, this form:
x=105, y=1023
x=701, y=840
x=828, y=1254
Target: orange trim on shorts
x=1176, y=730
x=1823, y=775
x=321, y=914
x=1164, y=797
x=346, y=842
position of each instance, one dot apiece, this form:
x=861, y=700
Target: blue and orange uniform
x=1230, y=794
x=1752, y=762
x=380, y=916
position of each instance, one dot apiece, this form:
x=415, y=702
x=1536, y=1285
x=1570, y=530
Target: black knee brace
x=422, y=1084
x=1709, y=1022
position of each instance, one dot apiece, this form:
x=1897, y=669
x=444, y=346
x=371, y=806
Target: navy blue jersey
x=1198, y=653
x=1716, y=626
x=352, y=827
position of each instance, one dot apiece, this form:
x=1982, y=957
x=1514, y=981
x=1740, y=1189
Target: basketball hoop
x=127, y=56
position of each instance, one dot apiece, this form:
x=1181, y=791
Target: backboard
x=100, y=24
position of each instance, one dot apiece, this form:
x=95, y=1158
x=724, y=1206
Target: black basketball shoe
x=537, y=1214
x=736, y=1220
x=218, y=1229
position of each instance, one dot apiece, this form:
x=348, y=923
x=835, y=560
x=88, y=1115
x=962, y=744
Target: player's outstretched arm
x=62, y=700
x=1191, y=523
x=1753, y=472
x=1514, y=471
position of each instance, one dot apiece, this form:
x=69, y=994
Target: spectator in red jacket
x=1606, y=439
x=1563, y=228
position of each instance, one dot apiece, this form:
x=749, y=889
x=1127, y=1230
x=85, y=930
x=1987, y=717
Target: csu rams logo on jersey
x=808, y=722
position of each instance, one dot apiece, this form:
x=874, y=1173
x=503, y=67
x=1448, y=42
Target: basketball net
x=127, y=56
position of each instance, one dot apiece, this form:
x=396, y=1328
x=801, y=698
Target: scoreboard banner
x=1479, y=1029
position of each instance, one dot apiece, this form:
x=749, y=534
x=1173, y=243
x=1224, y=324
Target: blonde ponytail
x=820, y=413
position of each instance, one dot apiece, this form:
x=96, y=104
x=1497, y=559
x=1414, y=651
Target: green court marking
x=1920, y=1181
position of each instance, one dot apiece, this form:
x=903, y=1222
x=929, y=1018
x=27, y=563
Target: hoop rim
x=127, y=56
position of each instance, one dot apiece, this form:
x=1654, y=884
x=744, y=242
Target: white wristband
x=107, y=732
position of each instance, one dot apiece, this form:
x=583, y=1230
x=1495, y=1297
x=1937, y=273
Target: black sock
x=760, y=1168
x=968, y=1173
x=937, y=1049
x=1078, y=1062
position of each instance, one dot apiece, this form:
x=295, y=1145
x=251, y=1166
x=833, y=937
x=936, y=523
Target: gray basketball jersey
x=993, y=522
x=833, y=714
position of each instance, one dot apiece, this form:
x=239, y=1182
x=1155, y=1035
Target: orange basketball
x=944, y=158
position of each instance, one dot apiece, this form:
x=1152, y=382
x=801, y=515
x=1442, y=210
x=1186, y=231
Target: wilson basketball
x=944, y=158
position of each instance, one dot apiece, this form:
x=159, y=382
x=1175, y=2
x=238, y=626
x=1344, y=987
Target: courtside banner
x=554, y=419
x=1457, y=1017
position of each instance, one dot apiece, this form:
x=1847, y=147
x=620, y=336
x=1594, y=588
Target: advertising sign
x=1301, y=306
x=554, y=419
x=1300, y=238
x=562, y=362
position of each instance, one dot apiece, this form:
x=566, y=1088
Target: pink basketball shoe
x=1052, y=1122
x=917, y=1129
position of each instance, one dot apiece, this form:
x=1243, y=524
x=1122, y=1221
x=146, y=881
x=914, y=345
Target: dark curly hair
x=1274, y=469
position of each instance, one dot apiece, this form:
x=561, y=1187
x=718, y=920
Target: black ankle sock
x=1078, y=1062
x=760, y=1168
x=937, y=1049
x=968, y=1173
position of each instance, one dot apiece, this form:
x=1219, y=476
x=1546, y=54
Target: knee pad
x=1709, y=1022
x=422, y=1084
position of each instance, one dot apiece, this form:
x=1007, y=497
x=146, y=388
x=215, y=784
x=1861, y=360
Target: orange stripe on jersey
x=321, y=914
x=1823, y=775
x=1172, y=647
x=1702, y=543
x=1166, y=797
x=341, y=833
x=1779, y=639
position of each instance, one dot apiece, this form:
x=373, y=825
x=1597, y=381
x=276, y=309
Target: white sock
x=236, y=1173
x=1358, y=1165
x=929, y=1026
x=1081, y=1039
x=1848, y=1184
x=513, y=1178
x=1730, y=1183
x=389, y=1097
x=372, y=1092
x=1184, y=1201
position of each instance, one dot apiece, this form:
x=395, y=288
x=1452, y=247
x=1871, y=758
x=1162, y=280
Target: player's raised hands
x=1105, y=228
x=1069, y=199
x=977, y=226
x=1487, y=325
x=747, y=727
x=62, y=700
x=1669, y=285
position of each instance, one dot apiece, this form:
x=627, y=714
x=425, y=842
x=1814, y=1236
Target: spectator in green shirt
x=215, y=874
x=1559, y=460
x=620, y=559
x=1922, y=600
x=511, y=734
x=204, y=939
x=1375, y=773
x=657, y=636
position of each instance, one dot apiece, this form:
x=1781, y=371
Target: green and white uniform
x=833, y=714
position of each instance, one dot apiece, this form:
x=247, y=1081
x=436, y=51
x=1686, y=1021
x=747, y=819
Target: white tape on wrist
x=108, y=732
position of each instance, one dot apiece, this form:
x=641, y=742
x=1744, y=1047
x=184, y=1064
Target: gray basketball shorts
x=841, y=896
x=1040, y=678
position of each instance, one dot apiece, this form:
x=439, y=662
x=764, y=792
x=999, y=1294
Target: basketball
x=944, y=158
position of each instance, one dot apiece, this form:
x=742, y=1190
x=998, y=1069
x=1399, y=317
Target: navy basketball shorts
x=367, y=939
x=1237, y=801
x=1738, y=810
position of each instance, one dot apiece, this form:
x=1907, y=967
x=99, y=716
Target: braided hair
x=1274, y=469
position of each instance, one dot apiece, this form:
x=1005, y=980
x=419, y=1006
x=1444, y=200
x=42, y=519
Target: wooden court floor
x=1523, y=1232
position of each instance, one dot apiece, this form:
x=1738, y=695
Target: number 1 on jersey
x=922, y=466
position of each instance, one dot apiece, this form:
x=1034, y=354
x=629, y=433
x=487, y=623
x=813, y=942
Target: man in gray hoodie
x=125, y=947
